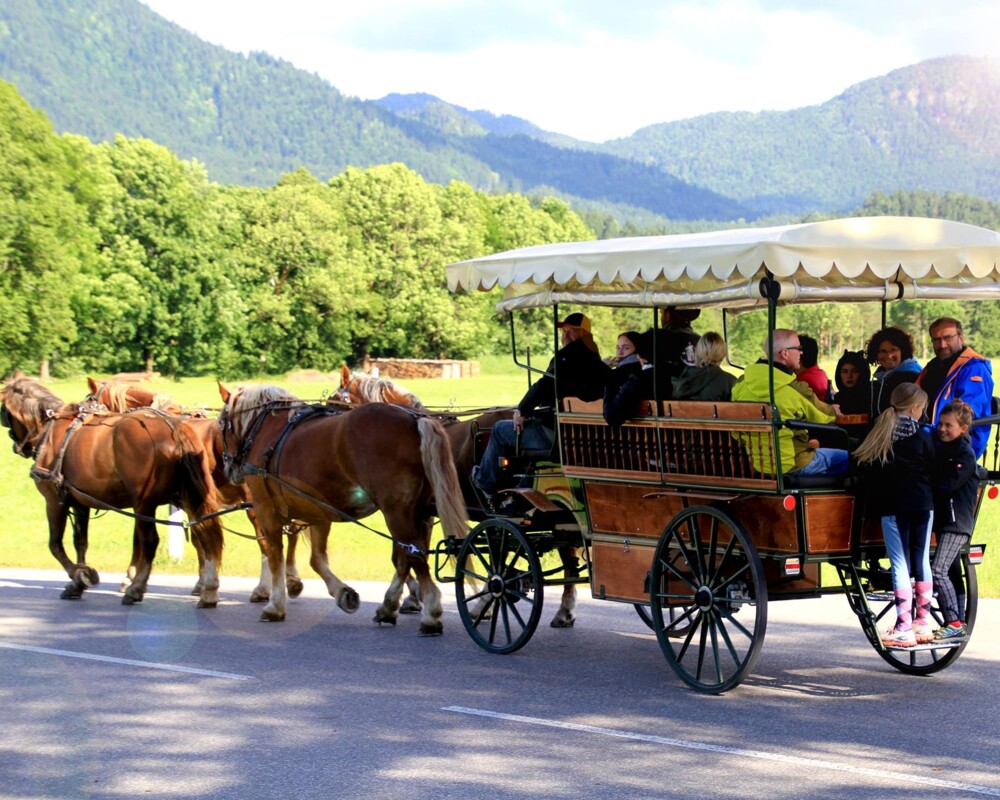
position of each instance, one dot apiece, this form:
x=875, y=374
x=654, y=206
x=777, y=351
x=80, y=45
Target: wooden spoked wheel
x=498, y=586
x=927, y=658
x=706, y=566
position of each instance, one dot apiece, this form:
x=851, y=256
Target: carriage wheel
x=927, y=658
x=675, y=627
x=502, y=612
x=707, y=568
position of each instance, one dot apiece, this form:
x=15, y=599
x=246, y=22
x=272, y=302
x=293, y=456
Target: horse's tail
x=198, y=495
x=439, y=466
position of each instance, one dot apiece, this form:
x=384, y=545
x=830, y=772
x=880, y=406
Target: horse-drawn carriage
x=668, y=511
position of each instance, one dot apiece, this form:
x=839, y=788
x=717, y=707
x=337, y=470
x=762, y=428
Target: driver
x=581, y=373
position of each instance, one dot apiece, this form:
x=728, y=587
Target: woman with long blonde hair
x=899, y=456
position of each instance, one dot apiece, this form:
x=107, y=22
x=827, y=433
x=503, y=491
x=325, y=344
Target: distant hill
x=101, y=67
x=932, y=126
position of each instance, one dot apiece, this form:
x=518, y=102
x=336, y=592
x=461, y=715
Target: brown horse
x=118, y=396
x=87, y=459
x=357, y=387
x=467, y=437
x=313, y=465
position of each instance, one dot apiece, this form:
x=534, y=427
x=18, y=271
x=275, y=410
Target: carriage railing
x=688, y=443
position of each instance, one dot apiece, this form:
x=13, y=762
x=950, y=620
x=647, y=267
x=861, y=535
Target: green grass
x=355, y=553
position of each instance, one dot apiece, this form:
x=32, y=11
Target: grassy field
x=355, y=553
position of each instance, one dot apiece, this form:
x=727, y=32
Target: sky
x=597, y=69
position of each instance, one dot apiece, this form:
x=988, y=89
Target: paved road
x=164, y=700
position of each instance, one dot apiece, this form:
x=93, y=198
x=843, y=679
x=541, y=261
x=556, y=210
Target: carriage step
x=947, y=645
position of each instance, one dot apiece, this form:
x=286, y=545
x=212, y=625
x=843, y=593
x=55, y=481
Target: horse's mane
x=246, y=400
x=28, y=400
x=377, y=390
x=114, y=396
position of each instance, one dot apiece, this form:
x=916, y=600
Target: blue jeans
x=826, y=461
x=908, y=542
x=503, y=442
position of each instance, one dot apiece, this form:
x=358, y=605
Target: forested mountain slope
x=933, y=126
x=101, y=67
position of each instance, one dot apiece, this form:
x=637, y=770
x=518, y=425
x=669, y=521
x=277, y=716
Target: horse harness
x=273, y=455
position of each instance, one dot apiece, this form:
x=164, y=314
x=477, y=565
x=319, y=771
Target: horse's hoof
x=271, y=616
x=348, y=600
x=293, y=586
x=380, y=618
x=206, y=604
x=87, y=577
x=130, y=600
x=562, y=622
x=411, y=606
x=431, y=629
x=259, y=597
x=71, y=592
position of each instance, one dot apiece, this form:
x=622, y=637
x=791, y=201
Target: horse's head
x=238, y=422
x=25, y=408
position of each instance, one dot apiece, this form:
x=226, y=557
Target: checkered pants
x=947, y=573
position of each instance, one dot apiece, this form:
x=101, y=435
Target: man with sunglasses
x=798, y=456
x=957, y=372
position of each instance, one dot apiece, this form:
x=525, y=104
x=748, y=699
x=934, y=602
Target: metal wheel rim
x=927, y=660
x=724, y=635
x=501, y=606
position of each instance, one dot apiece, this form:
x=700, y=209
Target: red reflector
x=789, y=502
x=976, y=554
x=992, y=492
x=793, y=566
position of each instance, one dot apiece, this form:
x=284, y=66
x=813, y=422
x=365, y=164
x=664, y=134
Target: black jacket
x=903, y=484
x=956, y=487
x=710, y=382
x=581, y=373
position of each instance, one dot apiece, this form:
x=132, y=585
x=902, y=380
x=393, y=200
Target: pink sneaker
x=897, y=638
x=923, y=631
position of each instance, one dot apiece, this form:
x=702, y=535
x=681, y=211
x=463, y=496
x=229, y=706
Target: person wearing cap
x=576, y=371
x=675, y=342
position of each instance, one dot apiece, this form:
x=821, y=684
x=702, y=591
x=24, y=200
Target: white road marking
x=898, y=778
x=232, y=676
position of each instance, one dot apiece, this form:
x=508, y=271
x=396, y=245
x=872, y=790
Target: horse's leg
x=58, y=513
x=292, y=578
x=345, y=596
x=403, y=530
x=83, y=573
x=564, y=617
x=274, y=611
x=133, y=564
x=262, y=591
x=412, y=604
x=199, y=549
x=149, y=540
x=207, y=539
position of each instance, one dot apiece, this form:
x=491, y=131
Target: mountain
x=932, y=126
x=101, y=67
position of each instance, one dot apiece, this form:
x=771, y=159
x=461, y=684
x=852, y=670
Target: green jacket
x=793, y=446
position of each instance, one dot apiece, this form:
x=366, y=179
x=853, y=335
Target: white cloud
x=590, y=68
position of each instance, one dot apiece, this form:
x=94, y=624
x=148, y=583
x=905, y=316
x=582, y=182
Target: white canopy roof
x=848, y=260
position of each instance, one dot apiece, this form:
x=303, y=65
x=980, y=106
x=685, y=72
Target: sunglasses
x=795, y=347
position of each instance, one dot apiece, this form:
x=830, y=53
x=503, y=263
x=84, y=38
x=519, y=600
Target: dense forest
x=121, y=256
